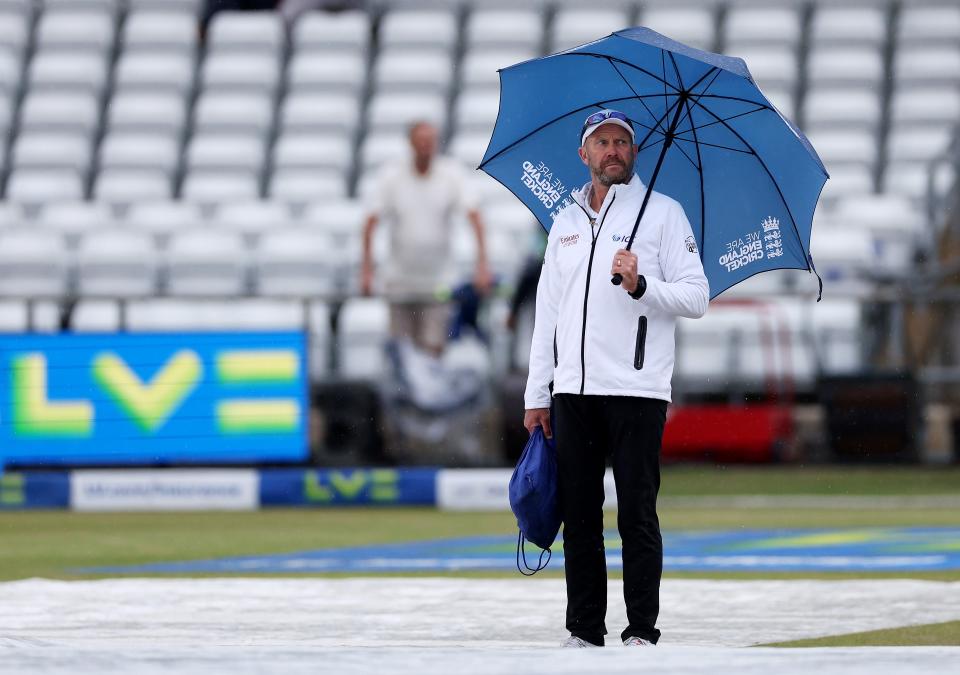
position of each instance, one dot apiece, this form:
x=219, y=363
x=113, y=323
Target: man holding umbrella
x=608, y=351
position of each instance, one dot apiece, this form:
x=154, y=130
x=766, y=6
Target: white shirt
x=419, y=211
x=591, y=337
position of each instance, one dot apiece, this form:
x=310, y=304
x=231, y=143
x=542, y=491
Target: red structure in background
x=751, y=432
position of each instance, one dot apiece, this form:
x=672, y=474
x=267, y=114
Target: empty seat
x=762, y=25
x=395, y=112
x=41, y=150
x=14, y=317
x=140, y=151
x=234, y=152
x=75, y=218
x=831, y=107
x=913, y=179
x=191, y=7
x=68, y=71
x=14, y=31
x=297, y=262
x=233, y=113
x=341, y=220
x=845, y=147
x=254, y=72
x=123, y=187
x=74, y=32
x=108, y=7
x=413, y=70
x=11, y=215
x=476, y=111
x=504, y=29
x=926, y=25
x=33, y=187
x=252, y=217
x=160, y=31
x=364, y=328
x=96, y=316
x=845, y=66
x=469, y=147
x=163, y=112
x=163, y=217
x=345, y=31
x=72, y=112
x=10, y=74
x=238, y=31
x=770, y=66
x=848, y=25
x=215, y=187
x=310, y=112
x=879, y=212
x=938, y=107
x=326, y=71
x=694, y=26
x=206, y=263
x=510, y=217
x=236, y=314
x=418, y=29
x=155, y=71
x=384, y=147
x=32, y=264
x=301, y=186
x=917, y=144
x=572, y=27
x=479, y=68
x=313, y=151
x=927, y=66
x=117, y=262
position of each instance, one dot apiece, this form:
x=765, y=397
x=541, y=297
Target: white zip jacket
x=608, y=343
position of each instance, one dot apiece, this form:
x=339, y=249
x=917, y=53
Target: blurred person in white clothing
x=418, y=198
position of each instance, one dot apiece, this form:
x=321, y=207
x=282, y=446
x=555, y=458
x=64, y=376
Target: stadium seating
x=241, y=164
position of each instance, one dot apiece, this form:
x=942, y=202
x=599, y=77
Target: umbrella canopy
x=747, y=178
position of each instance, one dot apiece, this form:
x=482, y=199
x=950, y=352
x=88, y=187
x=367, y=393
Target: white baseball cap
x=606, y=116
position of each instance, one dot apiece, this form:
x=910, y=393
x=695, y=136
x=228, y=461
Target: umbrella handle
x=617, y=279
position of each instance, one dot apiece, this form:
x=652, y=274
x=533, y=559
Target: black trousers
x=629, y=430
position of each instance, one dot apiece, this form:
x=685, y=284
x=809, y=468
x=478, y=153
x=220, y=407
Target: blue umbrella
x=747, y=178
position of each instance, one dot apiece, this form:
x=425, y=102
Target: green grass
x=686, y=480
x=929, y=635
x=52, y=543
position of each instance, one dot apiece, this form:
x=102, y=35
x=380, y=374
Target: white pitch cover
x=165, y=490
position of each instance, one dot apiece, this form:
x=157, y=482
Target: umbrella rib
x=725, y=119
x=676, y=71
x=652, y=145
x=713, y=145
x=658, y=124
x=626, y=63
x=699, y=165
x=640, y=98
x=793, y=221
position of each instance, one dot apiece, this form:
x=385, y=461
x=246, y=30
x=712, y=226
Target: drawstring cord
x=541, y=563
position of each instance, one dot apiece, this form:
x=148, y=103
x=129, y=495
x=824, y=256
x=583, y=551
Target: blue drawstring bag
x=533, y=499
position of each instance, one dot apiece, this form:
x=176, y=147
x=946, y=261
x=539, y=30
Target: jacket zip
x=641, y=343
x=586, y=290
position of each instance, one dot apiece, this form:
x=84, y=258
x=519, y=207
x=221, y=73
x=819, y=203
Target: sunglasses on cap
x=603, y=116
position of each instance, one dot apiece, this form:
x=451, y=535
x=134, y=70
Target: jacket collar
x=623, y=190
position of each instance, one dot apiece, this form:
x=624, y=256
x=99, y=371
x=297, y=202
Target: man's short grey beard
x=607, y=181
